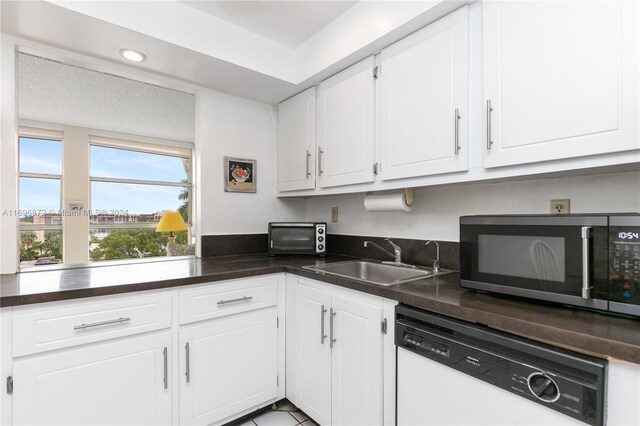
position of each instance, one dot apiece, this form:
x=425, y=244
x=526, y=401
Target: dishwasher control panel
x=570, y=383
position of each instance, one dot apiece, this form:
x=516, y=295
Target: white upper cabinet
x=346, y=126
x=560, y=80
x=297, y=142
x=424, y=101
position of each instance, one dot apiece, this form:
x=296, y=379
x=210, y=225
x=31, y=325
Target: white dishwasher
x=455, y=373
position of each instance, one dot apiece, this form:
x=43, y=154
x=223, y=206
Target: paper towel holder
x=406, y=195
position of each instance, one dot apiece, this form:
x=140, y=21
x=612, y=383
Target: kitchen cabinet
x=123, y=359
x=296, y=142
x=229, y=365
x=337, y=362
x=560, y=80
x=423, y=101
x=346, y=126
x=228, y=348
x=124, y=381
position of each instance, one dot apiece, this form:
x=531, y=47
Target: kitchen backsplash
x=227, y=245
x=413, y=251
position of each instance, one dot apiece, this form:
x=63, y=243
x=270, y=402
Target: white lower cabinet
x=122, y=382
x=206, y=354
x=337, y=347
x=227, y=366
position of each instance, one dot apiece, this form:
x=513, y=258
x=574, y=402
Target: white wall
x=436, y=210
x=228, y=125
x=8, y=160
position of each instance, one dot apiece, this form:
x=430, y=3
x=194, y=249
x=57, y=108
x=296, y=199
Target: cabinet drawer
x=231, y=297
x=37, y=329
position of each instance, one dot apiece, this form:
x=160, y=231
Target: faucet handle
x=394, y=245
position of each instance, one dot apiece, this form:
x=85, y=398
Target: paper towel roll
x=394, y=202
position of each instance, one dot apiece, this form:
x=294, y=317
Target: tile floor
x=286, y=414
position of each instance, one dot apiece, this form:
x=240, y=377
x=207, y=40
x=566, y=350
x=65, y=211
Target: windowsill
x=119, y=262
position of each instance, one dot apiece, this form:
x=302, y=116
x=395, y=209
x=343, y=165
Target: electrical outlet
x=334, y=214
x=560, y=206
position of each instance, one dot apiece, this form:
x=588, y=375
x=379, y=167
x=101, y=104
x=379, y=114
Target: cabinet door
x=229, y=365
x=346, y=126
x=561, y=78
x=312, y=353
x=297, y=142
x=356, y=363
x=119, y=383
x=424, y=100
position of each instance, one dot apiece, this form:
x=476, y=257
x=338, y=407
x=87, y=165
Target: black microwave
x=590, y=261
x=297, y=238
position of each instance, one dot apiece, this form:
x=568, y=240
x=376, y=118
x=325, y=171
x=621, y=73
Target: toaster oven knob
x=320, y=231
x=543, y=387
x=320, y=247
x=320, y=239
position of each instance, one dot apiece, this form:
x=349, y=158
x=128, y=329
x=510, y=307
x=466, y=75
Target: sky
x=41, y=156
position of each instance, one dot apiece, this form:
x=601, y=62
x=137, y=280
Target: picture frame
x=239, y=175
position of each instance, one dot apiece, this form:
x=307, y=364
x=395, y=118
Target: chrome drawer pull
x=187, y=372
x=323, y=336
x=97, y=324
x=489, y=110
x=332, y=314
x=239, y=299
x=456, y=121
x=320, y=152
x=308, y=156
x=166, y=368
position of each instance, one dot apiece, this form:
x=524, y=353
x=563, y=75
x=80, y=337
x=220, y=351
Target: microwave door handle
x=586, y=288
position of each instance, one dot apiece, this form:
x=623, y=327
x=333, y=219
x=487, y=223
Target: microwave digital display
x=626, y=235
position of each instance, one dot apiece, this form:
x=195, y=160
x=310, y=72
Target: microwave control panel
x=624, y=264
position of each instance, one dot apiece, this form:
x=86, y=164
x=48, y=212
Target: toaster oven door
x=292, y=239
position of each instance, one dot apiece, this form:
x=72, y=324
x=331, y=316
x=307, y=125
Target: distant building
x=98, y=219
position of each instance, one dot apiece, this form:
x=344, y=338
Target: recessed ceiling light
x=133, y=55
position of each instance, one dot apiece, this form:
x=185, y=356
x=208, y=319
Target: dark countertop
x=583, y=331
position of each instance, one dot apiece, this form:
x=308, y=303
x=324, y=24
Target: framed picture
x=239, y=175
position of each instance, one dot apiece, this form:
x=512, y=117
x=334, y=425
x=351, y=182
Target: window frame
x=176, y=151
x=28, y=132
x=55, y=132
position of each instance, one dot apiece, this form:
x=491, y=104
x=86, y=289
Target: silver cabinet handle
x=187, y=372
x=97, y=324
x=331, y=339
x=489, y=110
x=456, y=144
x=308, y=157
x=239, y=299
x=166, y=368
x=323, y=336
x=320, y=152
x=586, y=288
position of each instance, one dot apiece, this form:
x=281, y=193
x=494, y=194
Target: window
x=123, y=187
x=40, y=171
x=130, y=188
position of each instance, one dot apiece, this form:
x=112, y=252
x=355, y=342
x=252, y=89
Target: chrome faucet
x=397, y=251
x=436, y=263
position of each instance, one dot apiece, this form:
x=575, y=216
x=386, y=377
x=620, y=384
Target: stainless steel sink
x=376, y=273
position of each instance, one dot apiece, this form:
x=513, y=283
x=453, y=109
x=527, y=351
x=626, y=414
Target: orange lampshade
x=171, y=221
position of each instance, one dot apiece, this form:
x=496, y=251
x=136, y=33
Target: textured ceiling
x=62, y=94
